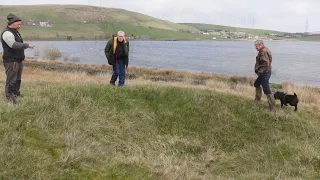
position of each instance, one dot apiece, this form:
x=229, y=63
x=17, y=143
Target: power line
x=253, y=22
x=307, y=25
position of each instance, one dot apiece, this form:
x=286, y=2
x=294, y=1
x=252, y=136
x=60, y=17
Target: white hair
x=258, y=42
x=121, y=32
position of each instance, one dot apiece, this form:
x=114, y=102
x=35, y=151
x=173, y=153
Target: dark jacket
x=14, y=54
x=263, y=61
x=113, y=53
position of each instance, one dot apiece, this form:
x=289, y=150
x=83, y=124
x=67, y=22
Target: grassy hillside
x=258, y=32
x=73, y=125
x=100, y=22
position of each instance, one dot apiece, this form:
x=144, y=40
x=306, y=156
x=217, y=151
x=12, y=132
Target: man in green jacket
x=117, y=53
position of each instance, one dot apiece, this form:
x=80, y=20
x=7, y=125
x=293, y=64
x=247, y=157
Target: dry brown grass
x=306, y=94
x=236, y=85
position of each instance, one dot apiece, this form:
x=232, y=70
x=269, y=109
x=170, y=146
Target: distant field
x=259, y=32
x=310, y=38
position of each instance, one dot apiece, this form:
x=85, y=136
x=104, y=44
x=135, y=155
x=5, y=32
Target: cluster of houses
x=296, y=35
x=244, y=35
x=228, y=34
x=217, y=33
x=225, y=34
x=317, y=33
x=37, y=23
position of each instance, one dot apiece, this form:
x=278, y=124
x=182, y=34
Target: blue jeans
x=119, y=70
x=263, y=80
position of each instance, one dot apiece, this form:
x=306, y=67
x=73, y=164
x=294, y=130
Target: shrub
x=52, y=53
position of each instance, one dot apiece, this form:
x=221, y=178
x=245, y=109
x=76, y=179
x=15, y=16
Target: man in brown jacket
x=263, y=70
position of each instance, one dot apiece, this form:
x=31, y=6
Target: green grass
x=61, y=31
x=276, y=86
x=310, y=38
x=60, y=131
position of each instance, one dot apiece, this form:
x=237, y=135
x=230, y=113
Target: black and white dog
x=287, y=99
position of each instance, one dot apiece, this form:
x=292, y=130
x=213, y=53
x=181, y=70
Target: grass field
x=310, y=38
x=73, y=125
x=258, y=32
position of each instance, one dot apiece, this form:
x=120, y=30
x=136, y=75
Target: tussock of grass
x=242, y=80
x=165, y=78
x=198, y=82
x=52, y=53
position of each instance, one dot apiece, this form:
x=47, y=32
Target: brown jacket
x=263, y=61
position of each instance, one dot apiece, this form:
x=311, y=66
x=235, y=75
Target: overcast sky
x=282, y=15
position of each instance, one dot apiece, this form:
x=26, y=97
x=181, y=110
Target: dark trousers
x=13, y=81
x=263, y=80
x=119, y=70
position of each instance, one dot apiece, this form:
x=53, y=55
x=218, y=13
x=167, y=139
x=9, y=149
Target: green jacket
x=110, y=50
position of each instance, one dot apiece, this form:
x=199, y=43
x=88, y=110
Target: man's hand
x=31, y=46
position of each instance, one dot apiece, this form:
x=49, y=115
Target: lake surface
x=298, y=62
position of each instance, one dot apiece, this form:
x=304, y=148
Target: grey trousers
x=13, y=81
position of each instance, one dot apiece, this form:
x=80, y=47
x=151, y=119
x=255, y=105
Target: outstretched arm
x=8, y=37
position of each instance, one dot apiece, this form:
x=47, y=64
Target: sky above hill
x=284, y=15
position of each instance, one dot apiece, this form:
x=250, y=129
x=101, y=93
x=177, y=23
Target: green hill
x=91, y=22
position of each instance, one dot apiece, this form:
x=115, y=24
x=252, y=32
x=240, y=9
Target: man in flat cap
x=13, y=55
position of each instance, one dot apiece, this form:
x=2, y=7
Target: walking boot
x=271, y=102
x=258, y=94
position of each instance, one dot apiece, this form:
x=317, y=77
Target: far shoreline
x=56, y=65
x=182, y=40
